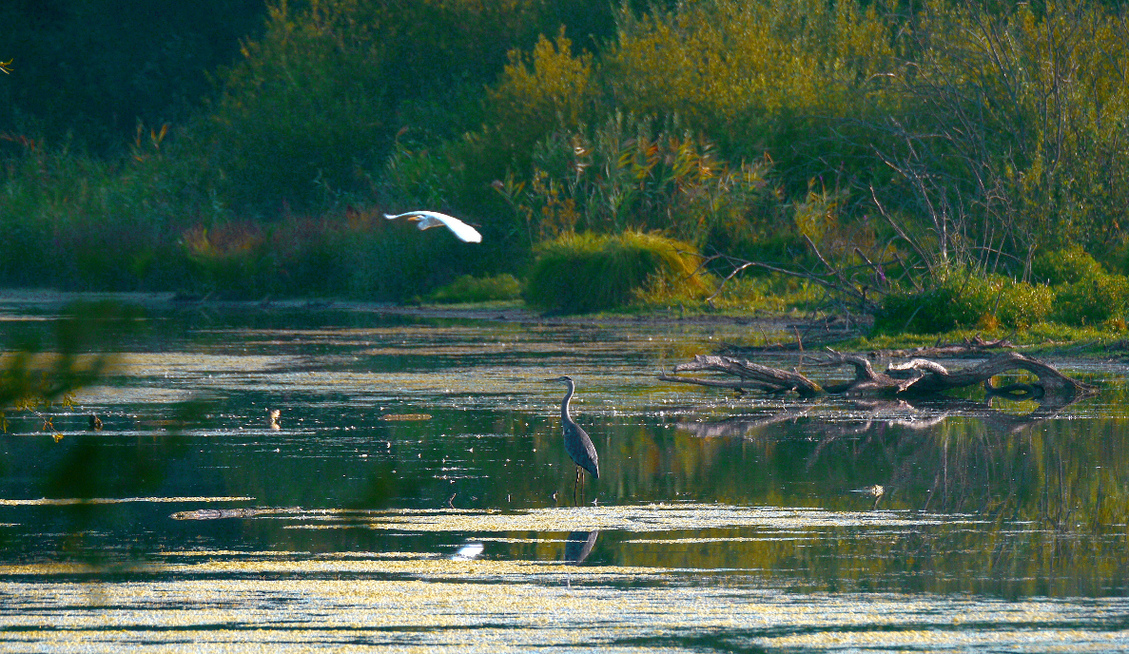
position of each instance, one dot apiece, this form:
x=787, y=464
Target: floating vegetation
x=71, y=501
x=647, y=518
x=442, y=605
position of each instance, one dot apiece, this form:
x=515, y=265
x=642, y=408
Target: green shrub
x=584, y=272
x=1019, y=304
x=538, y=94
x=420, y=177
x=1093, y=300
x=1066, y=266
x=1085, y=294
x=479, y=289
x=319, y=100
x=631, y=173
x=79, y=222
x=303, y=108
x=963, y=300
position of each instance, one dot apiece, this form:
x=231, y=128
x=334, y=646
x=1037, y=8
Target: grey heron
x=576, y=440
x=429, y=219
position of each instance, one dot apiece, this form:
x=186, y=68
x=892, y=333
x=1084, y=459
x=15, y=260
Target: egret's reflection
x=468, y=552
x=876, y=491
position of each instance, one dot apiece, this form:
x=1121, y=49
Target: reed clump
x=580, y=273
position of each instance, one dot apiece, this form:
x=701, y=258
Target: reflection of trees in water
x=51, y=360
x=1054, y=495
x=957, y=453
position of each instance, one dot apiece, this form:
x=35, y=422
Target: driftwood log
x=916, y=377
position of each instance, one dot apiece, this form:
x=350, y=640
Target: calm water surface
x=416, y=495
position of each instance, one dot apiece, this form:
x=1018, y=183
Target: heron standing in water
x=576, y=441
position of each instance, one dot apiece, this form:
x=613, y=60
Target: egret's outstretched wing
x=429, y=219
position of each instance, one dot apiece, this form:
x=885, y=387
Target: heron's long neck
x=566, y=400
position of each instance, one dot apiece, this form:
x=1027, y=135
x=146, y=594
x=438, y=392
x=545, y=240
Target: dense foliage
x=905, y=146
x=960, y=299
x=583, y=272
x=87, y=72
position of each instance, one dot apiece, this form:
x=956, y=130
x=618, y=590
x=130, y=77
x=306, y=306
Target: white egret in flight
x=429, y=219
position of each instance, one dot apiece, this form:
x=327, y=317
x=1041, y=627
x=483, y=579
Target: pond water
x=416, y=495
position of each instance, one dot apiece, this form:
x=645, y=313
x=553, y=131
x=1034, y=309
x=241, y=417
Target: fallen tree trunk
x=916, y=377
x=751, y=375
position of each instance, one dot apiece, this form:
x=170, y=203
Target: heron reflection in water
x=578, y=545
x=576, y=440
